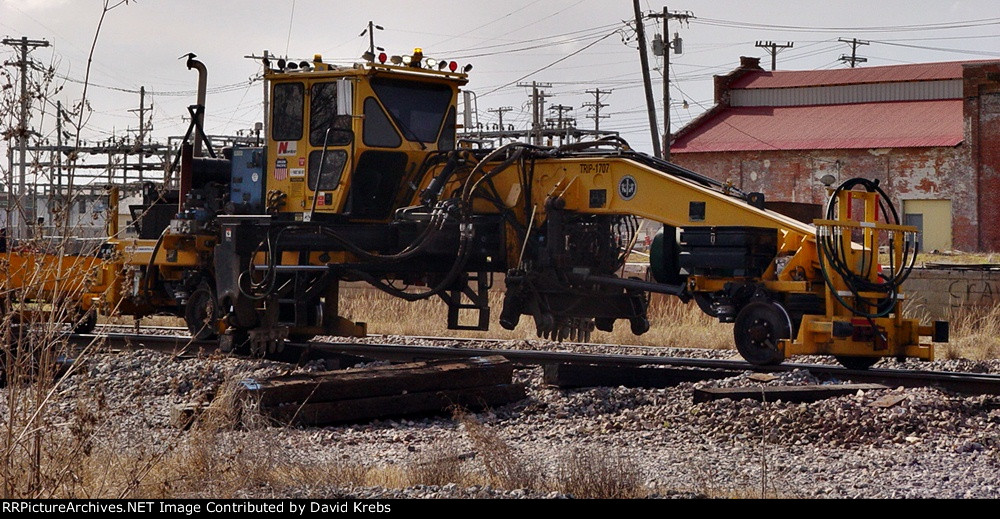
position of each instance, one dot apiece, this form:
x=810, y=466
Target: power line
x=939, y=49
x=560, y=60
x=491, y=22
x=963, y=24
x=548, y=41
x=291, y=17
x=232, y=87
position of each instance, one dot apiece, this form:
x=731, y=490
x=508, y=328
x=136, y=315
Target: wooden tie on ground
x=386, y=391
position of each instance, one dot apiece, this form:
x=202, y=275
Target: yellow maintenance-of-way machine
x=362, y=179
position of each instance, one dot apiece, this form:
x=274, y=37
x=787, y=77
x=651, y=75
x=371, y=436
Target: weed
x=504, y=466
x=441, y=464
x=598, y=474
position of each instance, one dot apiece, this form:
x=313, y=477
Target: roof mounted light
x=467, y=68
x=382, y=57
x=368, y=56
x=452, y=66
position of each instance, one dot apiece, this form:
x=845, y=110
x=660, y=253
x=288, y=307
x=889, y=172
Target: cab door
x=312, y=139
x=330, y=159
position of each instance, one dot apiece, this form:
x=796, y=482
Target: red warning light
x=382, y=57
x=452, y=66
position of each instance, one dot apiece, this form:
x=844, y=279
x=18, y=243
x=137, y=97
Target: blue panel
x=246, y=192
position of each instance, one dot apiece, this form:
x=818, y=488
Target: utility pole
x=22, y=128
x=371, y=38
x=537, y=108
x=266, y=60
x=597, y=104
x=853, y=59
x=773, y=49
x=676, y=45
x=500, y=111
x=59, y=137
x=640, y=33
x=560, y=119
x=562, y=122
x=142, y=127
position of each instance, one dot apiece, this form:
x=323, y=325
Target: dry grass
x=598, y=474
x=975, y=335
x=674, y=324
x=217, y=457
x=958, y=257
x=440, y=464
x=504, y=466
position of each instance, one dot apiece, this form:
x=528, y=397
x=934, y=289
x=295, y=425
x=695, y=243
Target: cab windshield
x=417, y=108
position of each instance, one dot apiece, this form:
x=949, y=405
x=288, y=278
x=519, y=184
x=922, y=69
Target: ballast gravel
x=895, y=443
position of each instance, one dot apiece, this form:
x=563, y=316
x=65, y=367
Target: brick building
x=929, y=132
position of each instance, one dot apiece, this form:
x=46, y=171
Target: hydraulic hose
x=834, y=257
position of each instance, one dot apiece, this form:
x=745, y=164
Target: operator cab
x=350, y=141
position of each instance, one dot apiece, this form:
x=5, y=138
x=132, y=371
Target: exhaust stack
x=192, y=63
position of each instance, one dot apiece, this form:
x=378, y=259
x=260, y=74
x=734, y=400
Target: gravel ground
x=899, y=443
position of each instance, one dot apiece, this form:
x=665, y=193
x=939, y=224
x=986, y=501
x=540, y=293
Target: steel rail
x=977, y=383
x=962, y=382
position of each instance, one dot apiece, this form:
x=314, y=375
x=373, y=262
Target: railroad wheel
x=294, y=336
x=605, y=324
x=758, y=329
x=704, y=302
x=639, y=325
x=202, y=313
x=86, y=322
x=235, y=340
x=860, y=363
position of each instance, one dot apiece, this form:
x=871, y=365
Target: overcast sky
x=576, y=45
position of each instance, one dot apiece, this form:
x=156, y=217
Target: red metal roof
x=846, y=76
x=904, y=124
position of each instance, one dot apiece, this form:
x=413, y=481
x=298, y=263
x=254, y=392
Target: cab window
x=378, y=131
x=286, y=119
x=323, y=116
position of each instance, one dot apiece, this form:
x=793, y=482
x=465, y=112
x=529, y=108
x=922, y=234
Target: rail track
x=168, y=340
